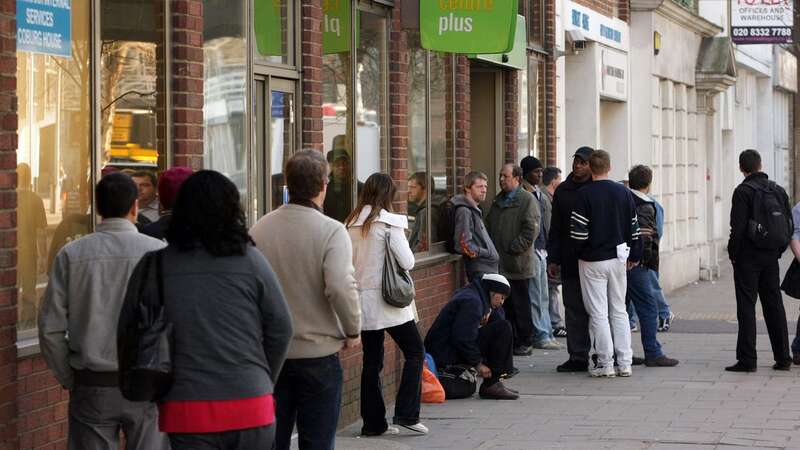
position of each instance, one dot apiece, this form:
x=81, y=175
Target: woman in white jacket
x=368, y=225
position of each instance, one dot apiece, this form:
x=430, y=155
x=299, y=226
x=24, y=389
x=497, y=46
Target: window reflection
x=273, y=26
x=441, y=178
x=336, y=131
x=53, y=159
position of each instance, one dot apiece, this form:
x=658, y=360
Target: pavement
x=694, y=406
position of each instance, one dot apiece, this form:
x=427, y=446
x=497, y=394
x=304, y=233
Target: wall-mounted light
x=656, y=42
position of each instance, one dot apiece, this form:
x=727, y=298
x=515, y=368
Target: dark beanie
x=170, y=183
x=529, y=164
x=493, y=282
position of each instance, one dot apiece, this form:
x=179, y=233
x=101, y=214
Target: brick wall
x=462, y=117
x=43, y=407
x=547, y=89
x=311, y=62
x=398, y=111
x=8, y=215
x=511, y=99
x=187, y=83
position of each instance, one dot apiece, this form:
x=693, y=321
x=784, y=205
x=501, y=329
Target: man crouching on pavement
x=471, y=329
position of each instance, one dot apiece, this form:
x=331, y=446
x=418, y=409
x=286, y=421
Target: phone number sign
x=762, y=21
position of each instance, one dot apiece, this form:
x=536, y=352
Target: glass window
x=442, y=179
x=53, y=158
x=370, y=96
x=524, y=147
x=224, y=89
x=273, y=30
x=536, y=17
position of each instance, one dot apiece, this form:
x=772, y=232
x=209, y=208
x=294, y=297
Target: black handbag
x=791, y=282
x=397, y=287
x=144, y=339
x=458, y=381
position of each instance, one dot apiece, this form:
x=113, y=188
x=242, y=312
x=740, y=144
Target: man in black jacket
x=755, y=266
x=562, y=258
x=467, y=332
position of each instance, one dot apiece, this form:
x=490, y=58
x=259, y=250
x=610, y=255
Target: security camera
x=577, y=40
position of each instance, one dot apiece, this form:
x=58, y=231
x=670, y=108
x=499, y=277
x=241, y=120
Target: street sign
x=45, y=27
x=468, y=26
x=762, y=21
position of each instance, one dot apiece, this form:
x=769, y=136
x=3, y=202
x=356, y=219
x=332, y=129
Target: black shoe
x=573, y=365
x=796, y=360
x=739, y=367
x=636, y=361
x=662, y=361
x=497, y=391
x=783, y=365
x=523, y=350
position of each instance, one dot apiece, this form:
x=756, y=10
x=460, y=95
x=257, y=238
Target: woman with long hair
x=231, y=324
x=368, y=226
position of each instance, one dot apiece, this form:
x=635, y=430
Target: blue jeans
x=643, y=297
x=663, y=307
x=309, y=392
x=540, y=304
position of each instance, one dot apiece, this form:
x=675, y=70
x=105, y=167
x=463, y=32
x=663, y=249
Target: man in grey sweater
x=78, y=324
x=313, y=258
x=471, y=238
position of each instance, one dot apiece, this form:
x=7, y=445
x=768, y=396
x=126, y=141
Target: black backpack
x=770, y=226
x=446, y=225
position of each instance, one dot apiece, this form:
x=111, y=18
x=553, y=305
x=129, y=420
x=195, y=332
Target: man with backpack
x=468, y=236
x=761, y=227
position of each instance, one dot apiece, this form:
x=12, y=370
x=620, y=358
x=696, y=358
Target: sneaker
x=661, y=321
x=390, y=431
x=661, y=361
x=497, y=391
x=634, y=327
x=624, y=371
x=523, y=350
x=560, y=332
x=668, y=322
x=418, y=428
x=573, y=365
x=739, y=367
x=548, y=345
x=603, y=371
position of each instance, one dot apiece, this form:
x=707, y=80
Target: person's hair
x=549, y=174
x=640, y=177
x=750, y=161
x=472, y=177
x=116, y=194
x=420, y=179
x=306, y=175
x=146, y=174
x=378, y=193
x=600, y=162
x=208, y=214
x=516, y=171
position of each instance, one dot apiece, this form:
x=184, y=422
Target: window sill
x=435, y=258
x=27, y=345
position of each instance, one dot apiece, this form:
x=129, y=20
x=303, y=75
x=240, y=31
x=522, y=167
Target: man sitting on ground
x=467, y=332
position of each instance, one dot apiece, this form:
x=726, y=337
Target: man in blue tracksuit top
x=605, y=229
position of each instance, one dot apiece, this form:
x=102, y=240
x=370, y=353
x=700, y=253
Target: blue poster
x=45, y=26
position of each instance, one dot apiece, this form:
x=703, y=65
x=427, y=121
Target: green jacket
x=513, y=225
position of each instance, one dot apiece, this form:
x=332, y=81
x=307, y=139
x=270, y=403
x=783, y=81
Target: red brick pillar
x=462, y=117
x=511, y=99
x=8, y=233
x=548, y=97
x=311, y=43
x=187, y=83
x=398, y=110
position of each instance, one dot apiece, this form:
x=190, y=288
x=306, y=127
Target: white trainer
x=603, y=372
x=624, y=371
x=418, y=428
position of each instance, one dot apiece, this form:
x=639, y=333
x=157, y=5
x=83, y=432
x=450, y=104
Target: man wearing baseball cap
x=471, y=330
x=562, y=258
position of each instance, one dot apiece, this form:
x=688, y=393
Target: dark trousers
x=576, y=319
x=796, y=340
x=309, y=392
x=518, y=312
x=406, y=409
x=755, y=279
x=250, y=438
x=495, y=340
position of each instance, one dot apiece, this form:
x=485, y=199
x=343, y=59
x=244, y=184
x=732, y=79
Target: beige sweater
x=313, y=259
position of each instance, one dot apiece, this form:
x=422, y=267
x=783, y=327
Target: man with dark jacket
x=513, y=223
x=640, y=290
x=168, y=186
x=755, y=264
x=467, y=333
x=470, y=236
x=540, y=299
x=562, y=258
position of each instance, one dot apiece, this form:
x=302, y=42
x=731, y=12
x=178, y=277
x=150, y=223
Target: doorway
x=275, y=141
x=486, y=126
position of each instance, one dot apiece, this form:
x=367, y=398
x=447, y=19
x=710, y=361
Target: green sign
x=518, y=55
x=336, y=26
x=268, y=26
x=468, y=26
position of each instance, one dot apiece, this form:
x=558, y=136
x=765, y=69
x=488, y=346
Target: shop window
x=356, y=138
x=273, y=31
x=53, y=158
x=225, y=78
x=535, y=15
x=430, y=184
x=528, y=139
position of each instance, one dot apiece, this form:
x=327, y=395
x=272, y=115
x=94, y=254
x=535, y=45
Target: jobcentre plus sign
x=468, y=26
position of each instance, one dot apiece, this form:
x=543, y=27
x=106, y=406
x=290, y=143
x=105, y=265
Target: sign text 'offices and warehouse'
x=762, y=21
x=45, y=26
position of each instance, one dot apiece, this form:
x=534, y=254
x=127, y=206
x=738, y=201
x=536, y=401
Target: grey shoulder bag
x=397, y=287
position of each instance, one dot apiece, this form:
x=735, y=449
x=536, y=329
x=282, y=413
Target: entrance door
x=486, y=125
x=276, y=137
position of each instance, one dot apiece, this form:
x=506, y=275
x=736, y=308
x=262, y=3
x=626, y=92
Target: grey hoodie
x=471, y=238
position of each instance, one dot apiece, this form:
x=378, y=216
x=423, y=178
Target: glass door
x=276, y=138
